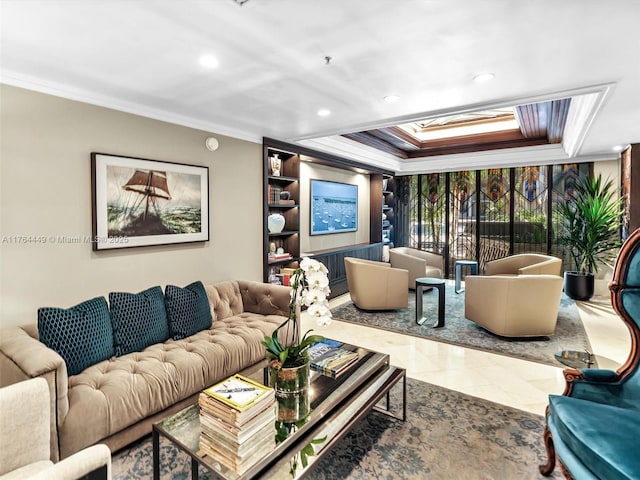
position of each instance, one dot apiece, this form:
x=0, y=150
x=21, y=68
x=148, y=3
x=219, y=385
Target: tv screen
x=334, y=207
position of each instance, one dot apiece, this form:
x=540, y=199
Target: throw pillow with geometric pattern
x=188, y=309
x=138, y=319
x=82, y=334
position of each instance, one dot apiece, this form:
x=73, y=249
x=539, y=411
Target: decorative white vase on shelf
x=275, y=223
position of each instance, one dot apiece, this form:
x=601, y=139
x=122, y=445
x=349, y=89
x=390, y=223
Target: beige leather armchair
x=376, y=285
x=417, y=262
x=514, y=306
x=25, y=452
x=524, y=264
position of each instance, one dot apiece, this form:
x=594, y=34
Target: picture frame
x=333, y=207
x=139, y=202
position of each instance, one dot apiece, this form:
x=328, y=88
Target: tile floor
x=506, y=380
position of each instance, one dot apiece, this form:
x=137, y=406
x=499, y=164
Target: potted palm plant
x=590, y=230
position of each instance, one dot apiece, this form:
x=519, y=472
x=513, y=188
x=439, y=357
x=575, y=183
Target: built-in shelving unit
x=287, y=179
x=388, y=210
x=288, y=240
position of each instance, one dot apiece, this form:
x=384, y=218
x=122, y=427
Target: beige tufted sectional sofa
x=115, y=401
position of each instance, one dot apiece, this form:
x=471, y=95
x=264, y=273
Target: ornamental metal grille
x=487, y=214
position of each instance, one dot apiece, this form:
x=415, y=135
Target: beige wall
x=310, y=244
x=45, y=191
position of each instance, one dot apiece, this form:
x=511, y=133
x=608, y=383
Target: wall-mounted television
x=334, y=207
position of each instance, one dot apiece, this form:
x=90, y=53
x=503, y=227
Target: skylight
x=474, y=123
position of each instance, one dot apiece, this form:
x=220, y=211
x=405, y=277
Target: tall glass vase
x=291, y=385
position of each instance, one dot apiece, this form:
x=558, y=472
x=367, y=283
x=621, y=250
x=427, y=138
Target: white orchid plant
x=309, y=287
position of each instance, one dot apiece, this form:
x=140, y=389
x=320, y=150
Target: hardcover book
x=239, y=392
x=330, y=358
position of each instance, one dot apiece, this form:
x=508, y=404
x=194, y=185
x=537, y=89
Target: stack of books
x=330, y=358
x=237, y=420
x=273, y=193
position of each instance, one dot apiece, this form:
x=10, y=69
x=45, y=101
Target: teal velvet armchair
x=592, y=429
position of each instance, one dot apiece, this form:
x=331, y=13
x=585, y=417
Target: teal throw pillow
x=138, y=319
x=81, y=334
x=188, y=309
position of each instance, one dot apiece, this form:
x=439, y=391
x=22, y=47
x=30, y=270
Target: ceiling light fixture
x=483, y=77
x=324, y=112
x=618, y=148
x=391, y=98
x=209, y=61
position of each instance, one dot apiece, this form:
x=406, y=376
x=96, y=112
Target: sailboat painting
x=140, y=202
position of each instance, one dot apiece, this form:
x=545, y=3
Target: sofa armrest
x=92, y=463
x=265, y=298
x=23, y=357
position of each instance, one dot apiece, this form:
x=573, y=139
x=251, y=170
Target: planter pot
x=579, y=286
x=291, y=385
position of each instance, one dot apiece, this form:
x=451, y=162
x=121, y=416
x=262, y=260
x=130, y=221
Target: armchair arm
x=547, y=267
x=599, y=375
x=94, y=461
x=415, y=266
x=23, y=357
x=431, y=259
x=502, y=266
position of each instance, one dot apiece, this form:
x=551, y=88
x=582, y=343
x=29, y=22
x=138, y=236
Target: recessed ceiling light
x=483, y=77
x=324, y=112
x=618, y=148
x=209, y=61
x=391, y=98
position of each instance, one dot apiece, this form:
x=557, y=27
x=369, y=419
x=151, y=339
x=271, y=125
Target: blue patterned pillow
x=81, y=334
x=139, y=320
x=188, y=309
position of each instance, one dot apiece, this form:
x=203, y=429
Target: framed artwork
x=138, y=202
x=334, y=207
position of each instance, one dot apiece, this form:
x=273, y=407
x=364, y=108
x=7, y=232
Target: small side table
x=472, y=265
x=583, y=359
x=428, y=282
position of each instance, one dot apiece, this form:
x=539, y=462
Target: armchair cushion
x=599, y=434
x=139, y=320
x=82, y=334
x=188, y=309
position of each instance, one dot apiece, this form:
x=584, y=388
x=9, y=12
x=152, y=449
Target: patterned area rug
x=569, y=334
x=447, y=435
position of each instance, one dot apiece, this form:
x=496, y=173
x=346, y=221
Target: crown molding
x=582, y=113
x=106, y=101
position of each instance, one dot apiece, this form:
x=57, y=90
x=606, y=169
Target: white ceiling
x=143, y=57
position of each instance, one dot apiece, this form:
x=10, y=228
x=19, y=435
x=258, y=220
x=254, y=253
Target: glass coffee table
x=337, y=405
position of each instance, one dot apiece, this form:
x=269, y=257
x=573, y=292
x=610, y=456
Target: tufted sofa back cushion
x=225, y=299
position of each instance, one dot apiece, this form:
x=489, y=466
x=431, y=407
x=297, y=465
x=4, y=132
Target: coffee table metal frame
x=428, y=282
x=473, y=267
x=362, y=389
